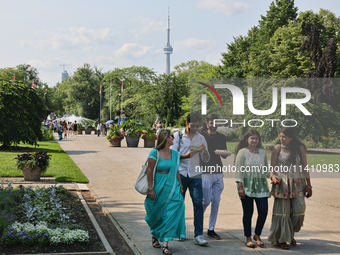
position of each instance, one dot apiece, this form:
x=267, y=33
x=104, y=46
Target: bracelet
x=309, y=187
x=240, y=188
x=150, y=189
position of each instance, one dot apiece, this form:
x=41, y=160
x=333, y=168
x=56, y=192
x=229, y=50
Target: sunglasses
x=172, y=136
x=194, y=126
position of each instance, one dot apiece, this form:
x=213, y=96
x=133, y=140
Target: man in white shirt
x=192, y=147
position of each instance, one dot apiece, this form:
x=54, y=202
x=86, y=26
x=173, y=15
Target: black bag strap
x=180, y=140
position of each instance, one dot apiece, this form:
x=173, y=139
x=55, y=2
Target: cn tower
x=168, y=49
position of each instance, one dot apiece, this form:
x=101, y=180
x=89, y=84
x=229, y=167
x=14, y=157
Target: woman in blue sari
x=164, y=204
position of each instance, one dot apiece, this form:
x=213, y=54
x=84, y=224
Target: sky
x=121, y=33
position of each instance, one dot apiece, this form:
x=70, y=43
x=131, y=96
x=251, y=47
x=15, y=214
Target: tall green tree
x=21, y=114
x=138, y=81
x=79, y=94
x=168, y=96
x=249, y=56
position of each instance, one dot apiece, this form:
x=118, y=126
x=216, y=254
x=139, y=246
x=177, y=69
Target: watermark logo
x=213, y=90
x=238, y=99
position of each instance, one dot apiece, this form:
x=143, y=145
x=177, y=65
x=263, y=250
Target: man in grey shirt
x=192, y=147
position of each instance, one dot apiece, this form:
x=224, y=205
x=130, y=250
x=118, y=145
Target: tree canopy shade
x=21, y=114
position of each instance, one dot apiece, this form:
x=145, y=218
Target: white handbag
x=141, y=184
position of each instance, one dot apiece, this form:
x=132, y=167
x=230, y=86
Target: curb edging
x=128, y=241
x=96, y=226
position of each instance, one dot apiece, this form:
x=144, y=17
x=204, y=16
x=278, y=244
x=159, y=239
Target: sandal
x=293, y=242
x=250, y=244
x=283, y=246
x=166, y=250
x=155, y=243
x=258, y=242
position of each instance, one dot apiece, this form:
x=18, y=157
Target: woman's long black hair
x=294, y=145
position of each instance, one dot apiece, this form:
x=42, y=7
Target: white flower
x=57, y=235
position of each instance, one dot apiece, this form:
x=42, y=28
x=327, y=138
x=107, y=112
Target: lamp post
x=45, y=95
x=88, y=110
x=120, y=113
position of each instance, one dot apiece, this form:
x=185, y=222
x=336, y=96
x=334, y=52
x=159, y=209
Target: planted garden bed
x=44, y=220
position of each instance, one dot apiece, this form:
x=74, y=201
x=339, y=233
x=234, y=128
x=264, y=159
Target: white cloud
x=227, y=7
x=86, y=39
x=194, y=44
x=47, y=62
x=147, y=26
x=214, y=59
x=134, y=50
x=40, y=63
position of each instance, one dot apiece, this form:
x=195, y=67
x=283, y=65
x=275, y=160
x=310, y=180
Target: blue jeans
x=196, y=194
x=248, y=210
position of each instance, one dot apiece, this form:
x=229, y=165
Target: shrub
x=132, y=128
x=21, y=114
x=114, y=134
x=231, y=134
x=149, y=133
x=268, y=147
x=47, y=133
x=310, y=144
x=88, y=124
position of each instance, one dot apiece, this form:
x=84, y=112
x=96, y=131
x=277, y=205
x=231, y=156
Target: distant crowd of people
x=68, y=129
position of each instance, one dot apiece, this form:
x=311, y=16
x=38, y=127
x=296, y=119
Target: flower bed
x=44, y=220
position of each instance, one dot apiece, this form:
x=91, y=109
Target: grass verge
x=313, y=157
x=62, y=167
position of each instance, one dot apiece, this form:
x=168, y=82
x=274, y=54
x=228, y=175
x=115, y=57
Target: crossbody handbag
x=141, y=184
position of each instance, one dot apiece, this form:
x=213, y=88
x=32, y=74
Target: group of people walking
x=66, y=129
x=175, y=160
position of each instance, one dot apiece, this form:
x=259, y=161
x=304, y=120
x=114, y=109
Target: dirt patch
x=113, y=237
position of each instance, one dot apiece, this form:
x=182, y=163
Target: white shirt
x=187, y=166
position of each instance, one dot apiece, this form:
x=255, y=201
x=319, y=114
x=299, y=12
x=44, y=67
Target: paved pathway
x=113, y=171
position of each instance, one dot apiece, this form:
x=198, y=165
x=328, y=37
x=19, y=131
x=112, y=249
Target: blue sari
x=165, y=214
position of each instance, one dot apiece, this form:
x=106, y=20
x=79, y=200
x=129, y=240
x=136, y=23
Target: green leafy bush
x=231, y=134
x=149, y=133
x=21, y=114
x=132, y=128
x=114, y=134
x=88, y=124
x=47, y=133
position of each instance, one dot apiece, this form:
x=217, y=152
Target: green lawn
x=61, y=166
x=231, y=146
x=313, y=157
